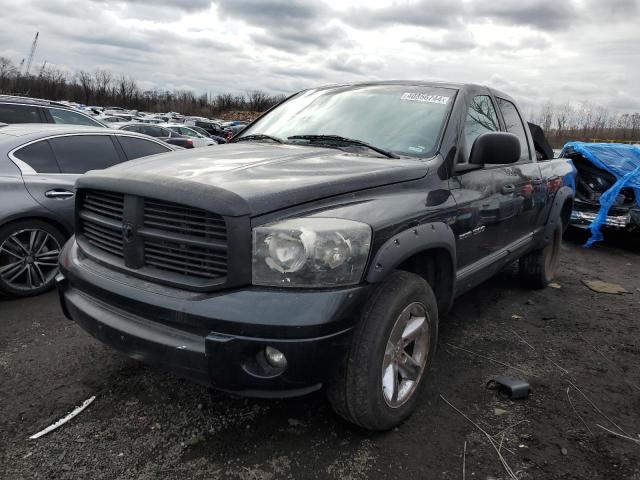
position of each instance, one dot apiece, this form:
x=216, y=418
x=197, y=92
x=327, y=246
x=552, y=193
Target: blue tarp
x=622, y=161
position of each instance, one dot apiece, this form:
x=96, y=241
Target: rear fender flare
x=407, y=243
x=563, y=195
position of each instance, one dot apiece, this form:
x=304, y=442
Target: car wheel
x=28, y=257
x=537, y=269
x=379, y=381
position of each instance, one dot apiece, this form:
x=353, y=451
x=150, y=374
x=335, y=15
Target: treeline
x=103, y=88
x=586, y=122
x=561, y=122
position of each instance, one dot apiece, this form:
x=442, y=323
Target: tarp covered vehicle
x=607, y=186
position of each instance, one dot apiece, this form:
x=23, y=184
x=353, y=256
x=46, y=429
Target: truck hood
x=251, y=178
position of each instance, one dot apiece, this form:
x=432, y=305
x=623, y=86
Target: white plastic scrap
x=64, y=420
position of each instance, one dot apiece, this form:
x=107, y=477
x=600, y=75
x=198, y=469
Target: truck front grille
x=153, y=236
x=102, y=220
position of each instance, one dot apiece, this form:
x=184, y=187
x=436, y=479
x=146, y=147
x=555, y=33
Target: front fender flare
x=407, y=243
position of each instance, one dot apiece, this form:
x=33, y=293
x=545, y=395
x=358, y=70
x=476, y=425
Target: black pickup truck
x=320, y=246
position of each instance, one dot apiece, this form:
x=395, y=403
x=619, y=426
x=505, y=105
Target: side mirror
x=495, y=148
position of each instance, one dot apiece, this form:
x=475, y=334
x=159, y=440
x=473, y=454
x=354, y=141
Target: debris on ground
x=63, y=420
x=514, y=387
x=604, y=287
x=554, y=285
x=516, y=317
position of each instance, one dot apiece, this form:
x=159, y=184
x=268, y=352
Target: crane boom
x=33, y=51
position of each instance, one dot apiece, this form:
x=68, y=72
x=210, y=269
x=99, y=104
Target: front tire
x=378, y=383
x=537, y=269
x=29, y=252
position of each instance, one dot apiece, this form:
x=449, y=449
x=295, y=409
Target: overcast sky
x=536, y=50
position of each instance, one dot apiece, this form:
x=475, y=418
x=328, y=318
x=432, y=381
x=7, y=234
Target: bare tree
x=102, y=83
x=86, y=83
x=7, y=70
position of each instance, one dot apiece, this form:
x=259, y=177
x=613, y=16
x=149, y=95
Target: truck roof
x=470, y=87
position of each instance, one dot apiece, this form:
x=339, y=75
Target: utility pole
x=33, y=50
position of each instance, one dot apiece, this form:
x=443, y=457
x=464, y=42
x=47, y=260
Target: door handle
x=508, y=188
x=59, y=194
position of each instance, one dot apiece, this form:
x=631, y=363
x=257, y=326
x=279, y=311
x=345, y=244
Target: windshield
x=404, y=119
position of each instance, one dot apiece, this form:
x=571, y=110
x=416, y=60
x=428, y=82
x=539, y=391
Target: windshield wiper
x=348, y=141
x=258, y=136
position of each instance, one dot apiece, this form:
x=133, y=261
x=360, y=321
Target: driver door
x=485, y=201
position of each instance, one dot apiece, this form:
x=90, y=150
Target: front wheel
x=379, y=382
x=29, y=252
x=538, y=268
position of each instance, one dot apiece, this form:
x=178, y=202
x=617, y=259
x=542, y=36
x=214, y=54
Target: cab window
x=481, y=118
x=513, y=123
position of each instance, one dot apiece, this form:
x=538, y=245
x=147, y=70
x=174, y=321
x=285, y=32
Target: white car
x=198, y=139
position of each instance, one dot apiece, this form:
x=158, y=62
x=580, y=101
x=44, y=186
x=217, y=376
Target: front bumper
x=217, y=339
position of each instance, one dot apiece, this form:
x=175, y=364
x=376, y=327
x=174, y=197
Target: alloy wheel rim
x=405, y=355
x=29, y=259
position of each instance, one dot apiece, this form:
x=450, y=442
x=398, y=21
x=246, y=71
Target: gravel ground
x=147, y=424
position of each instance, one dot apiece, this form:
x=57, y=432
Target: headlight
x=310, y=252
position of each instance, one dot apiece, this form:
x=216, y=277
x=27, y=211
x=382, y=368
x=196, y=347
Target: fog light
x=275, y=357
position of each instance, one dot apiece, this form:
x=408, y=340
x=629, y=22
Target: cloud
x=272, y=13
x=425, y=13
x=450, y=41
x=533, y=49
x=541, y=14
x=353, y=64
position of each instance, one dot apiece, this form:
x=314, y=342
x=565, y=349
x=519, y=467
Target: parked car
x=607, y=186
x=38, y=168
x=159, y=132
x=235, y=129
x=198, y=139
x=32, y=110
x=110, y=120
x=215, y=138
x=211, y=127
x=317, y=252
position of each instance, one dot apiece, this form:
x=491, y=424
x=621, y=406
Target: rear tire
x=29, y=252
x=378, y=383
x=538, y=268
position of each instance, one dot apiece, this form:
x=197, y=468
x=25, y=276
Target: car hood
x=248, y=178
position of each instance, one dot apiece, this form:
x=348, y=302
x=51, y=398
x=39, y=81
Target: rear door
x=54, y=186
x=524, y=176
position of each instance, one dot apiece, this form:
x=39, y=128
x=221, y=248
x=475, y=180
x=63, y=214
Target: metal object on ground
x=64, y=419
x=514, y=387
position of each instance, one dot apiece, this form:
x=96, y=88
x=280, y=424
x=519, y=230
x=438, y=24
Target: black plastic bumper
x=216, y=339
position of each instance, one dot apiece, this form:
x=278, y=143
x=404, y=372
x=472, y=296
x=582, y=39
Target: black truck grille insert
x=150, y=235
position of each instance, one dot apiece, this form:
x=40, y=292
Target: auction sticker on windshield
x=421, y=97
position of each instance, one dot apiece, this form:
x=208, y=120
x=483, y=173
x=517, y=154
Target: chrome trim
x=617, y=221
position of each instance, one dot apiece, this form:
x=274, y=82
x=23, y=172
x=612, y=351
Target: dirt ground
x=580, y=350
